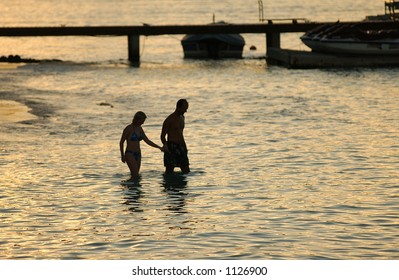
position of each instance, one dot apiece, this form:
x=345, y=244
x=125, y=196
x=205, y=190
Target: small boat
x=213, y=45
x=351, y=39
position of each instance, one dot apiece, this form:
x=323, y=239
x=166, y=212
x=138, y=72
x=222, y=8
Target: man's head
x=182, y=106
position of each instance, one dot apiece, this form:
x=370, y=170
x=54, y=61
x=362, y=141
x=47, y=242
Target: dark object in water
x=106, y=104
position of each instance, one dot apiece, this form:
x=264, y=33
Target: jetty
x=271, y=28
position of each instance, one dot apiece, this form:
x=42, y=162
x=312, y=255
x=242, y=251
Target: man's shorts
x=176, y=156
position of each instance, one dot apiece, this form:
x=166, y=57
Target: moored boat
x=344, y=38
x=213, y=45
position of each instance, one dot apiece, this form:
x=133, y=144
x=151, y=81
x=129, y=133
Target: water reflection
x=175, y=186
x=132, y=195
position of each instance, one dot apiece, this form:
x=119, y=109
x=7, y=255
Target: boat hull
x=215, y=50
x=353, y=47
x=340, y=38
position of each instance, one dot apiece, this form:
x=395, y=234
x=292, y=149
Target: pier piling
x=134, y=50
x=272, y=40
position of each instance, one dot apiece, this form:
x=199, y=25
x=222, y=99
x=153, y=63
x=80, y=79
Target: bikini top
x=135, y=137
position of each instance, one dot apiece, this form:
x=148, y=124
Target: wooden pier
x=272, y=29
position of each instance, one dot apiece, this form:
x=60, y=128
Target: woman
x=133, y=134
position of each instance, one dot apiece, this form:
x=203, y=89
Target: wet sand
x=9, y=65
x=12, y=111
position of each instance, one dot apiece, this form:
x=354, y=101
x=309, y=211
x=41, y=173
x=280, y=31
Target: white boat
x=342, y=38
x=213, y=45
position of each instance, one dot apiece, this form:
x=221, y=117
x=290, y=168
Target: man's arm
x=164, y=131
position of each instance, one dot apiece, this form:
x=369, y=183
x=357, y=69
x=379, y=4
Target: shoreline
x=13, y=111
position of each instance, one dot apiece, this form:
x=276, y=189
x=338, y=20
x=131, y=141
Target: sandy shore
x=9, y=65
x=12, y=111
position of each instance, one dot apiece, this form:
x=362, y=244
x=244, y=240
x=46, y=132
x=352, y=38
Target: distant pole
x=134, y=49
x=261, y=18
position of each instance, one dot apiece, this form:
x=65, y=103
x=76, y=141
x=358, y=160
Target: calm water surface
x=286, y=164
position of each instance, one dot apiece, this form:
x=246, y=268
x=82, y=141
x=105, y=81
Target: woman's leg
x=138, y=165
x=133, y=166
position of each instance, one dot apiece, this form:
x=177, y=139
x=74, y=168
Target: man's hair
x=181, y=102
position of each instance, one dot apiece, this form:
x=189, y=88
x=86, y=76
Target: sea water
x=286, y=164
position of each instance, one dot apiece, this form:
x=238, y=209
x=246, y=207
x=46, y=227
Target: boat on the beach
x=355, y=39
x=213, y=45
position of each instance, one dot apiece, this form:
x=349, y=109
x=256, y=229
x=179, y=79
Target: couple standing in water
x=174, y=146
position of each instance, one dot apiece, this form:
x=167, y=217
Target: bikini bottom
x=136, y=155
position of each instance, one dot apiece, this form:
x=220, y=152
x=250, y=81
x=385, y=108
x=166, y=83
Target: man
x=175, y=147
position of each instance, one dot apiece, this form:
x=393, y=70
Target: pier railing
x=133, y=33
x=392, y=9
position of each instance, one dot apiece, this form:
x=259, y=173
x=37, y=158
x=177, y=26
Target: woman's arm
x=148, y=141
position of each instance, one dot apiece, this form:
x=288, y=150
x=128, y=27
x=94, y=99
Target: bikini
x=135, y=138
